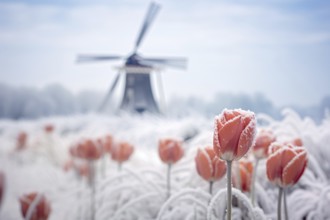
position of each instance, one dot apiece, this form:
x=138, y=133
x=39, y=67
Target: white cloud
x=233, y=23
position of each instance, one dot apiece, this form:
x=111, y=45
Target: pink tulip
x=245, y=172
x=21, y=141
x=208, y=166
x=87, y=149
x=285, y=164
x=297, y=142
x=49, y=128
x=263, y=140
x=121, y=151
x=233, y=133
x=170, y=150
x=260, y=150
x=40, y=212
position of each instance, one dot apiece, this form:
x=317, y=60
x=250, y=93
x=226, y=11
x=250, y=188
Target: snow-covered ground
x=138, y=191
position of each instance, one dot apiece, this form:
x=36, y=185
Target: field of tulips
x=96, y=167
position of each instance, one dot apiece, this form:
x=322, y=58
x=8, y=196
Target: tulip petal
x=248, y=166
x=161, y=150
x=246, y=139
x=287, y=155
x=122, y=152
x=220, y=168
x=228, y=138
x=273, y=167
x=204, y=164
x=230, y=114
x=299, y=149
x=220, y=122
x=245, y=179
x=170, y=151
x=177, y=152
x=294, y=169
x=209, y=150
x=275, y=146
x=263, y=141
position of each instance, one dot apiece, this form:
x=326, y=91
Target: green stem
x=254, y=175
x=211, y=187
x=92, y=188
x=229, y=194
x=195, y=213
x=285, y=205
x=169, y=180
x=238, y=176
x=239, y=183
x=79, y=201
x=279, y=204
x=119, y=167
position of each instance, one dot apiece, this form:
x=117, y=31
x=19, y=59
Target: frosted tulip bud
x=245, y=172
x=234, y=133
x=121, y=151
x=170, y=150
x=264, y=139
x=208, y=165
x=285, y=164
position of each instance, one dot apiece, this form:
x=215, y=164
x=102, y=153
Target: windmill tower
x=138, y=95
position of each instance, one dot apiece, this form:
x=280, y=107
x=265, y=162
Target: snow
x=138, y=191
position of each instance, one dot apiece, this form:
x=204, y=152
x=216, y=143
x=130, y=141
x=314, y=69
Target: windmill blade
x=180, y=63
x=163, y=64
x=110, y=92
x=150, y=17
x=91, y=58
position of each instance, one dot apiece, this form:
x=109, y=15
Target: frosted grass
x=139, y=190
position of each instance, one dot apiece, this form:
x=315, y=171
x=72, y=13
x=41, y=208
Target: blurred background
x=256, y=55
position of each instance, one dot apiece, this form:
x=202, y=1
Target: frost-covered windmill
x=138, y=94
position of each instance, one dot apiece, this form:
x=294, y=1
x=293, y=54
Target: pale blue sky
x=279, y=48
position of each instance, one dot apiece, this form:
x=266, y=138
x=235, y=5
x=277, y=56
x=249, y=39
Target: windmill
x=138, y=95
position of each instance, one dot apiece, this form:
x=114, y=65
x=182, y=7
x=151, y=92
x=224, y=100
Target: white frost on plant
x=139, y=190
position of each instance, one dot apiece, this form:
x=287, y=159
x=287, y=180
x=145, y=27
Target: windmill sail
x=138, y=95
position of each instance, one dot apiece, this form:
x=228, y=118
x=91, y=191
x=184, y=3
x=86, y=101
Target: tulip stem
x=211, y=187
x=238, y=175
x=254, y=175
x=229, y=194
x=279, y=203
x=239, y=183
x=169, y=180
x=92, y=188
x=79, y=201
x=285, y=204
x=119, y=167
